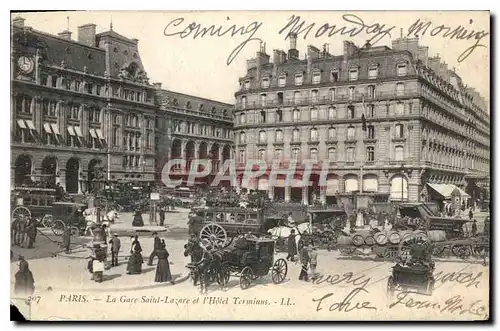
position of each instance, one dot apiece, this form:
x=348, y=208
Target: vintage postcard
x=270, y=165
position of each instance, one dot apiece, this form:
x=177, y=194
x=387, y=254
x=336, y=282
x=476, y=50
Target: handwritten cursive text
x=345, y=305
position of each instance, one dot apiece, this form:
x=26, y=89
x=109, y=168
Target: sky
x=198, y=66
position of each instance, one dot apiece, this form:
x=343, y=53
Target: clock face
x=26, y=64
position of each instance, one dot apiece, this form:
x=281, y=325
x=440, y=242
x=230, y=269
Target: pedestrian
x=162, y=216
x=163, y=268
x=304, y=261
x=471, y=214
x=21, y=231
x=134, y=265
x=138, y=218
x=115, y=248
x=313, y=260
x=98, y=264
x=25, y=283
x=31, y=231
x=292, y=246
x=67, y=239
x=474, y=228
x=135, y=242
x=156, y=248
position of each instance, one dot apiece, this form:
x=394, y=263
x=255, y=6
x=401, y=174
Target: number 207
x=35, y=299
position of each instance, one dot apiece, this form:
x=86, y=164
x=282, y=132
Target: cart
x=63, y=214
x=249, y=261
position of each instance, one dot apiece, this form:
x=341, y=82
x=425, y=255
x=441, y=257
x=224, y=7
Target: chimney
x=18, y=22
x=312, y=54
x=279, y=57
x=157, y=86
x=293, y=53
x=65, y=35
x=86, y=34
x=349, y=49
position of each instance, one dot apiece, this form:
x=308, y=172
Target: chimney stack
x=65, y=35
x=293, y=53
x=157, y=86
x=18, y=22
x=86, y=34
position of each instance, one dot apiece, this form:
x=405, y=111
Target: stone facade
x=422, y=123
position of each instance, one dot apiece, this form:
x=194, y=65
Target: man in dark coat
x=156, y=248
x=304, y=261
x=474, y=228
x=25, y=283
x=31, y=231
x=115, y=248
x=292, y=246
x=67, y=239
x=162, y=216
x=21, y=231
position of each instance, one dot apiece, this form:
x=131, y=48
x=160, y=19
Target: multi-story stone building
x=423, y=125
x=190, y=127
x=78, y=105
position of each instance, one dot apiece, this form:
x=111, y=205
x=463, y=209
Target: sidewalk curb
x=182, y=278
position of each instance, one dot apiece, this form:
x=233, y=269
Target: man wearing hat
x=115, y=248
x=292, y=246
x=156, y=247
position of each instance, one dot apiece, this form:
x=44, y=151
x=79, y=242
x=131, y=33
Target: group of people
x=308, y=257
x=97, y=262
x=24, y=231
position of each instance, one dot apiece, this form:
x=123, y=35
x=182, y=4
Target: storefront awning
x=446, y=190
x=55, y=128
x=92, y=133
x=78, y=131
x=99, y=134
x=30, y=124
x=21, y=124
x=71, y=131
x=46, y=126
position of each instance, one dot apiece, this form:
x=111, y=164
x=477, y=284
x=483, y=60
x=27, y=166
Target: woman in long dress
x=137, y=218
x=163, y=269
x=134, y=265
x=25, y=283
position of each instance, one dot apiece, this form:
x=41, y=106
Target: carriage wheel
x=214, y=234
x=464, y=252
x=47, y=220
x=20, y=212
x=279, y=271
x=480, y=251
x=246, y=278
x=58, y=227
x=75, y=231
x=358, y=240
x=390, y=286
x=408, y=241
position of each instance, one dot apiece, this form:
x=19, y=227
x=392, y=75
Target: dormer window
x=265, y=82
x=213, y=110
x=282, y=80
x=224, y=112
x=353, y=74
x=298, y=79
x=247, y=85
x=334, y=75
x=200, y=108
x=372, y=72
x=188, y=105
x=316, y=78
x=402, y=69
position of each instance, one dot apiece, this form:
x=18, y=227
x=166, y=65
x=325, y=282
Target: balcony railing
x=303, y=101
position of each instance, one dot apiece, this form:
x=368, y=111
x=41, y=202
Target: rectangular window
x=334, y=76
x=314, y=96
x=54, y=81
x=265, y=83
x=316, y=79
x=351, y=92
x=298, y=79
x=350, y=154
x=400, y=89
x=332, y=94
x=282, y=81
x=353, y=74
x=247, y=85
x=402, y=70
x=90, y=88
x=372, y=72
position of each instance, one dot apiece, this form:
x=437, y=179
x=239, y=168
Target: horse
x=205, y=266
x=111, y=216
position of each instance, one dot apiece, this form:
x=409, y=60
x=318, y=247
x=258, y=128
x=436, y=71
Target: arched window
x=314, y=114
x=313, y=154
x=332, y=134
x=332, y=113
x=398, y=153
x=295, y=154
x=296, y=115
x=262, y=136
x=243, y=102
x=262, y=154
x=243, y=137
x=279, y=136
x=331, y=154
x=313, y=134
x=351, y=133
x=295, y=135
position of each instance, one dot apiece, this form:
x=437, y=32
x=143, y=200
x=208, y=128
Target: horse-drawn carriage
x=248, y=257
x=68, y=214
x=34, y=202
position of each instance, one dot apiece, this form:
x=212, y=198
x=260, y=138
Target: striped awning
x=92, y=133
x=30, y=124
x=21, y=124
x=71, y=131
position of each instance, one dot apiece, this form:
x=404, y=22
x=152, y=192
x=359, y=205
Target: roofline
x=68, y=41
x=198, y=98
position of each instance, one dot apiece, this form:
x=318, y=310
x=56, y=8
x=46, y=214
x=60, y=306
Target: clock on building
x=26, y=64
